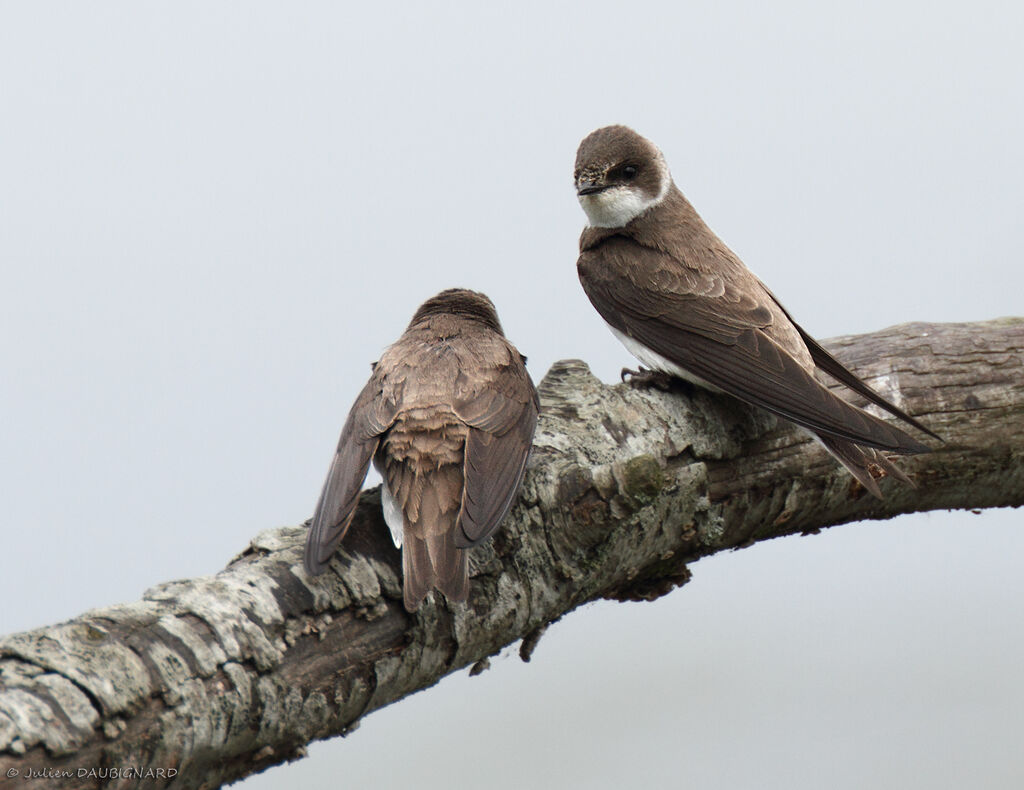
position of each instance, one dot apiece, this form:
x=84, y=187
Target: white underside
x=655, y=361
x=392, y=514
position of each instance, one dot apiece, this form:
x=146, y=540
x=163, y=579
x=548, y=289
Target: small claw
x=642, y=377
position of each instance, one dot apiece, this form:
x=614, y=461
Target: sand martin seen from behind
x=685, y=305
x=447, y=417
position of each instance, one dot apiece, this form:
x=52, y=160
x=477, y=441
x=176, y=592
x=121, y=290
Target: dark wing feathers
x=720, y=339
x=837, y=370
x=759, y=372
x=494, y=466
x=663, y=292
x=502, y=416
x=370, y=416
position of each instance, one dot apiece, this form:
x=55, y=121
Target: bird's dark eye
x=629, y=172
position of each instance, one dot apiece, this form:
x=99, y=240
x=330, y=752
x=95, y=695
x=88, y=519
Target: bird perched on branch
x=686, y=306
x=447, y=417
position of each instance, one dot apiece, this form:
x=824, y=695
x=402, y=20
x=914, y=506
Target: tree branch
x=211, y=679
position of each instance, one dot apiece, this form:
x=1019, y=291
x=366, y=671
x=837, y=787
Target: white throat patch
x=618, y=206
x=615, y=207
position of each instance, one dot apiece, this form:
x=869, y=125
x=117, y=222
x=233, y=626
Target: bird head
x=618, y=176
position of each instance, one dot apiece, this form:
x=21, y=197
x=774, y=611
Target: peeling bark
x=212, y=679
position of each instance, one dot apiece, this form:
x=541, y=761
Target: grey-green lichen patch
x=208, y=655
x=435, y=644
x=217, y=601
x=640, y=479
x=74, y=704
x=36, y=721
x=351, y=695
x=327, y=591
x=314, y=716
x=691, y=483
x=223, y=709
x=711, y=530
x=279, y=704
x=279, y=539
x=17, y=673
x=387, y=670
x=8, y=731
x=397, y=675
x=294, y=703
x=359, y=576
x=201, y=731
x=172, y=669
x=388, y=578
x=711, y=426
x=241, y=700
x=108, y=670
x=502, y=611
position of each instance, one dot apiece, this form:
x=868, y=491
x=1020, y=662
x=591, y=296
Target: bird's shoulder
x=449, y=361
x=692, y=282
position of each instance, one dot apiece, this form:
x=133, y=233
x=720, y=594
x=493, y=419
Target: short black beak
x=589, y=188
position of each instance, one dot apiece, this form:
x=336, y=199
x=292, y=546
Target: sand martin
x=685, y=305
x=447, y=417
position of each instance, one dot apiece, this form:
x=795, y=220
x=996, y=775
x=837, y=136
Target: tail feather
x=417, y=572
x=451, y=567
x=858, y=460
x=430, y=500
x=434, y=562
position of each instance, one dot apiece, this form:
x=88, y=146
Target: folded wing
x=700, y=323
x=370, y=416
x=501, y=412
x=837, y=370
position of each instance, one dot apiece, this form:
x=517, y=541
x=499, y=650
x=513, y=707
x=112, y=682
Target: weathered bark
x=216, y=678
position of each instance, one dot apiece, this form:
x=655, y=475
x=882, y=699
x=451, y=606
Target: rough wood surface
x=208, y=680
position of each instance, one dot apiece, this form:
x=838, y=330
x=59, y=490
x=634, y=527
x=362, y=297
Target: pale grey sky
x=213, y=216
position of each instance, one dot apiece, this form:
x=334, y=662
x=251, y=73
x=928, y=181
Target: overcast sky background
x=214, y=216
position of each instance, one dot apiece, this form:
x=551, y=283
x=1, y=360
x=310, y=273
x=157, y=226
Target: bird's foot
x=642, y=377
